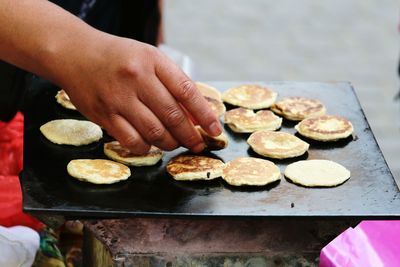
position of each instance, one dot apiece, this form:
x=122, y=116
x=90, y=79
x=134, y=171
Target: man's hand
x=140, y=97
x=129, y=88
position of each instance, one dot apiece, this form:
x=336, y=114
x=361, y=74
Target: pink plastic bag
x=371, y=243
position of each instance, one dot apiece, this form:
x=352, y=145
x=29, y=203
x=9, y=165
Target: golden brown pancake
x=98, y=171
x=213, y=142
x=317, y=173
x=71, y=132
x=325, y=128
x=250, y=96
x=298, y=108
x=216, y=105
x=250, y=171
x=278, y=145
x=188, y=168
x=208, y=91
x=116, y=152
x=243, y=120
x=64, y=100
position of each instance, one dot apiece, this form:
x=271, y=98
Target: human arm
x=131, y=89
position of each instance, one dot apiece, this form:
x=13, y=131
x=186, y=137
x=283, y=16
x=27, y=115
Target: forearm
x=129, y=88
x=40, y=37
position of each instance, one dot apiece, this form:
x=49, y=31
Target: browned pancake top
x=208, y=91
x=186, y=163
x=126, y=153
x=299, y=106
x=104, y=168
x=252, y=168
x=248, y=117
x=216, y=105
x=327, y=124
x=250, y=94
x=276, y=141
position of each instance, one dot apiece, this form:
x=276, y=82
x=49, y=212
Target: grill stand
x=208, y=242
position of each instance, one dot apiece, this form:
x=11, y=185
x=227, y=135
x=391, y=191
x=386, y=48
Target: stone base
x=208, y=242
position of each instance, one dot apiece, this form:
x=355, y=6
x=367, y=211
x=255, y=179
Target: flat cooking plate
x=370, y=192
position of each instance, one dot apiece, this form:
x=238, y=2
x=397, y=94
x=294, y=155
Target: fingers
x=149, y=126
x=171, y=115
x=186, y=93
x=122, y=130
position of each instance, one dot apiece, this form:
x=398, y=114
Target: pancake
x=298, y=108
x=116, y=152
x=213, y=143
x=216, y=105
x=325, y=128
x=71, y=132
x=98, y=171
x=208, y=91
x=243, y=120
x=250, y=96
x=277, y=145
x=64, y=100
x=317, y=173
x=188, y=168
x=250, y=171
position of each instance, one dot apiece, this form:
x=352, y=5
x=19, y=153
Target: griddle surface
x=370, y=192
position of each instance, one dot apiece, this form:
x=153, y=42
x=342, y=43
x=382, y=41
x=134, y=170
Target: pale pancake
x=250, y=171
x=325, y=128
x=116, y=152
x=317, y=173
x=277, y=145
x=188, y=168
x=298, y=108
x=71, y=132
x=216, y=105
x=243, y=120
x=208, y=91
x=250, y=96
x=64, y=100
x=213, y=142
x=98, y=171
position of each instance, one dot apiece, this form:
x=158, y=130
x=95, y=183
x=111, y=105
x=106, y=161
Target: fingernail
x=198, y=148
x=215, y=128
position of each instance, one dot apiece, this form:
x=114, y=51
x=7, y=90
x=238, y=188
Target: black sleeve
x=137, y=20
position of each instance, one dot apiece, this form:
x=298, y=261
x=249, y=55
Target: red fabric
x=11, y=154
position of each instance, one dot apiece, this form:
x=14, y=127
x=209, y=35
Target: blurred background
x=306, y=40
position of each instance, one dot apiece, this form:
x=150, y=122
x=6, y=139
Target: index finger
x=185, y=92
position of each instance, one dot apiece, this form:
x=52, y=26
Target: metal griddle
x=49, y=190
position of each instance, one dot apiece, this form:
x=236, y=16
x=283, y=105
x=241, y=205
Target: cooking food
x=213, y=143
x=243, y=120
x=250, y=96
x=325, y=128
x=208, y=91
x=216, y=105
x=278, y=145
x=188, y=167
x=250, y=171
x=98, y=171
x=71, y=132
x=317, y=173
x=116, y=152
x=298, y=108
x=64, y=100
